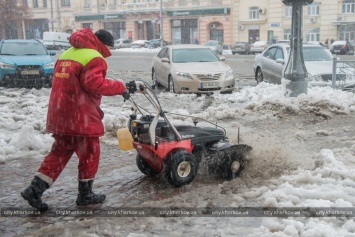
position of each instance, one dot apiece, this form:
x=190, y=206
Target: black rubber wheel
x=154, y=79
x=231, y=166
x=144, y=167
x=171, y=87
x=155, y=83
x=180, y=168
x=259, y=76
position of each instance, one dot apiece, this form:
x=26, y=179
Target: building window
x=313, y=9
x=313, y=34
x=287, y=34
x=254, y=13
x=87, y=25
x=288, y=11
x=25, y=3
x=87, y=3
x=347, y=35
x=348, y=6
x=45, y=3
x=35, y=3
x=65, y=3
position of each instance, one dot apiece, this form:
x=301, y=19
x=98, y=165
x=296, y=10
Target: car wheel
x=180, y=168
x=155, y=83
x=144, y=167
x=259, y=76
x=171, y=87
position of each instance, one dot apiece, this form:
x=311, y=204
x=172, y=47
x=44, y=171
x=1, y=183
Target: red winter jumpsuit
x=74, y=115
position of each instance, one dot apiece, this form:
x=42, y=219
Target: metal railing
x=343, y=75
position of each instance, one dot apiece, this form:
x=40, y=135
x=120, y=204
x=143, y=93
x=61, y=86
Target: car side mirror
x=222, y=58
x=52, y=53
x=165, y=60
x=280, y=60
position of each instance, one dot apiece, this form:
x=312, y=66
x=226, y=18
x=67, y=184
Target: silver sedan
x=269, y=65
x=191, y=69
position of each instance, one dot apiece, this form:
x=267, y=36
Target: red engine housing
x=155, y=155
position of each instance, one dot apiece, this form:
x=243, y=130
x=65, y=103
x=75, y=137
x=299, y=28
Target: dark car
x=241, y=48
x=342, y=47
x=25, y=63
x=156, y=42
x=142, y=44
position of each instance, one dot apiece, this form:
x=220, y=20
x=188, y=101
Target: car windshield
x=211, y=43
x=193, y=55
x=314, y=54
x=22, y=48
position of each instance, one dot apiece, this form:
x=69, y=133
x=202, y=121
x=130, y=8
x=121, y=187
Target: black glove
x=131, y=87
x=126, y=95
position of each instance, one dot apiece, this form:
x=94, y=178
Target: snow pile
x=329, y=184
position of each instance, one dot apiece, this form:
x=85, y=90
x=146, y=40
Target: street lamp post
x=294, y=75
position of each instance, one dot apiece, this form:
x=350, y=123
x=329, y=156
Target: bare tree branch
x=12, y=14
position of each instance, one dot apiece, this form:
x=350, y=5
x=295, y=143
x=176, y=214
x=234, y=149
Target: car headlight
x=49, y=65
x=317, y=77
x=184, y=75
x=6, y=65
x=229, y=73
x=309, y=77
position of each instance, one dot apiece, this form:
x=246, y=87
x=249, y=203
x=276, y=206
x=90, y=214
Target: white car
x=269, y=65
x=191, y=68
x=122, y=43
x=216, y=46
x=259, y=46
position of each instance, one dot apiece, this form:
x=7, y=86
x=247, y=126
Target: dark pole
x=161, y=24
x=294, y=75
x=52, y=17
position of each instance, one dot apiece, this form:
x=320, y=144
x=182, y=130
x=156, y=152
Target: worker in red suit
x=74, y=115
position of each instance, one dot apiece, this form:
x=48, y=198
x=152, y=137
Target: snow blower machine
x=177, y=150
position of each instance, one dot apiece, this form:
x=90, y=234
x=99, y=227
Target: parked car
x=283, y=42
x=156, y=43
x=216, y=46
x=25, y=63
x=342, y=47
x=122, y=43
x=56, y=40
x=191, y=68
x=241, y=48
x=259, y=46
x=269, y=65
x=142, y=44
x=316, y=42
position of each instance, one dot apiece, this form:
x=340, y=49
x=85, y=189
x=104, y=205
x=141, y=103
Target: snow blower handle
x=131, y=87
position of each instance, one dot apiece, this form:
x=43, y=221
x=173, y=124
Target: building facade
x=189, y=21
x=270, y=19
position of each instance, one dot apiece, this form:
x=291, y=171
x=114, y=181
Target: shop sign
x=217, y=11
x=99, y=17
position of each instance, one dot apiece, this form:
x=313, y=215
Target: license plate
x=209, y=84
x=30, y=72
x=336, y=51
